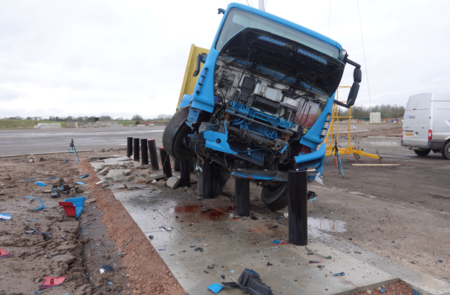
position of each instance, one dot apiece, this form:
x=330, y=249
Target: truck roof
x=286, y=23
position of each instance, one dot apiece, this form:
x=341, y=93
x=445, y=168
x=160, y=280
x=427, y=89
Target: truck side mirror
x=353, y=94
x=357, y=77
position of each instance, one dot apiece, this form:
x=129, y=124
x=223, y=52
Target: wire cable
x=329, y=20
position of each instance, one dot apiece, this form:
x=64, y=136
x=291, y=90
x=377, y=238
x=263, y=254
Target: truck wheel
x=446, y=150
x=275, y=197
x=175, y=136
x=422, y=153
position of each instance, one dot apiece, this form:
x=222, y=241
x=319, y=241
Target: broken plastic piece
x=165, y=228
x=5, y=216
x=80, y=183
x=84, y=176
x=4, y=254
x=339, y=274
x=200, y=249
x=215, y=288
x=73, y=206
x=107, y=267
x=52, y=282
x=321, y=266
x=250, y=282
x=311, y=252
x=50, y=178
x=40, y=183
x=30, y=197
x=314, y=261
x=383, y=290
x=42, y=207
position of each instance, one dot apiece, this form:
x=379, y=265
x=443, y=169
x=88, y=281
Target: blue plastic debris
x=80, y=183
x=32, y=220
x=341, y=274
x=232, y=271
x=440, y=260
x=30, y=197
x=40, y=183
x=383, y=290
x=5, y=216
x=110, y=283
x=38, y=292
x=276, y=242
x=215, y=288
x=42, y=207
x=84, y=176
x=415, y=292
x=54, y=177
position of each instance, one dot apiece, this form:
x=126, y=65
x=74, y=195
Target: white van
x=426, y=125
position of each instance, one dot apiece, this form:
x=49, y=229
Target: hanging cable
x=367, y=72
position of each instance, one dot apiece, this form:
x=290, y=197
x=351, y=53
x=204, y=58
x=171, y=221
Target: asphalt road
x=39, y=141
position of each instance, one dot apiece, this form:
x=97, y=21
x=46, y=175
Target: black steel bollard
x=165, y=160
x=242, y=192
x=207, y=180
x=129, y=146
x=136, y=149
x=153, y=154
x=185, y=171
x=144, y=151
x=298, y=207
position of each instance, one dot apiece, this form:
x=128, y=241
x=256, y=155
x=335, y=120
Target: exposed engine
x=263, y=115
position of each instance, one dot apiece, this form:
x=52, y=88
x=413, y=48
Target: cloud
x=110, y=57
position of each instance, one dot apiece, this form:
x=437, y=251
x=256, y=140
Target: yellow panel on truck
x=189, y=82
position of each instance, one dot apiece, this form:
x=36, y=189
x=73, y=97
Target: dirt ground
x=399, y=212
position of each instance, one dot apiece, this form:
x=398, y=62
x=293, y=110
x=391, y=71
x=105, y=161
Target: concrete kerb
x=18, y=155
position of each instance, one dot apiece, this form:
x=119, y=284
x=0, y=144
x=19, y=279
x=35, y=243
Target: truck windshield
x=238, y=19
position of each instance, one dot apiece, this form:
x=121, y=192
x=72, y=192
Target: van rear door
x=416, y=122
x=441, y=117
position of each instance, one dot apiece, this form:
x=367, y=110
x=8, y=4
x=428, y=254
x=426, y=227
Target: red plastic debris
x=52, y=282
x=69, y=208
x=4, y=254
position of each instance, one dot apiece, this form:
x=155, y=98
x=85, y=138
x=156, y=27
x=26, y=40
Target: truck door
x=416, y=122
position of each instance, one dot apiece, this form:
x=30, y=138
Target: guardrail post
x=153, y=154
x=165, y=160
x=185, y=172
x=129, y=146
x=298, y=207
x=242, y=192
x=207, y=179
x=144, y=152
x=136, y=149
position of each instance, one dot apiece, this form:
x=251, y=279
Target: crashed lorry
x=262, y=102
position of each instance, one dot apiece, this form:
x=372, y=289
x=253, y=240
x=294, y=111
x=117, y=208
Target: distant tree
x=105, y=118
x=137, y=118
x=29, y=118
x=119, y=119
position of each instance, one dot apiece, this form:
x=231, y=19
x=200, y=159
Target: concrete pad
x=116, y=160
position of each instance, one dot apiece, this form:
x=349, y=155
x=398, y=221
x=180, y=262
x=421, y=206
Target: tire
x=275, y=198
x=422, y=153
x=175, y=136
x=446, y=150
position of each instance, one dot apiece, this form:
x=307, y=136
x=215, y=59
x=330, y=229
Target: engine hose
x=253, y=136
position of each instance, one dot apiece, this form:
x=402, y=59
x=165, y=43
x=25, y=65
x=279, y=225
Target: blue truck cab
x=263, y=99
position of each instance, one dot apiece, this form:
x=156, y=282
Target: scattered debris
x=314, y=253
x=52, y=282
x=165, y=228
x=200, y=249
x=269, y=264
x=41, y=207
x=40, y=183
x=441, y=260
x=215, y=288
x=32, y=220
x=222, y=276
x=5, y=216
x=314, y=261
x=29, y=179
x=357, y=252
x=150, y=237
x=50, y=178
x=321, y=266
x=272, y=227
x=339, y=274
x=80, y=183
x=250, y=282
x=84, y=176
x=73, y=206
x=4, y=254
x=173, y=182
x=30, y=159
x=125, y=245
x=90, y=200
x=106, y=268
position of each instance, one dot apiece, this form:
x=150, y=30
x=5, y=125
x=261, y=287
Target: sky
x=121, y=58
